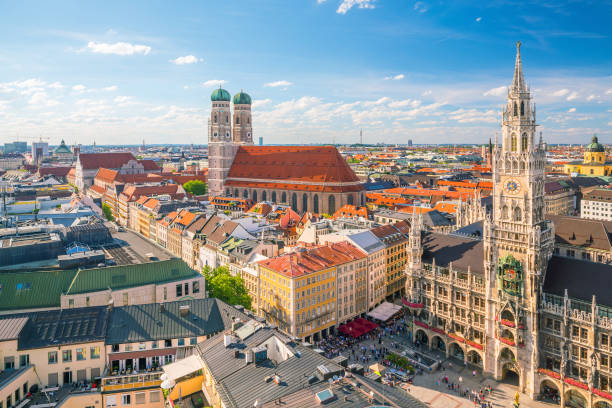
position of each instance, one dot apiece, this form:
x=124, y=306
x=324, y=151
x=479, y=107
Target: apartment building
x=597, y=205
x=395, y=238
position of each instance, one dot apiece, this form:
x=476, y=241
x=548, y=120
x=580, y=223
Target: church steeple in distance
x=518, y=82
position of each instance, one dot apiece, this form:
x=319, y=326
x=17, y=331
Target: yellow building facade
x=595, y=161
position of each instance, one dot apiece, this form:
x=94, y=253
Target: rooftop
x=463, y=252
x=139, y=323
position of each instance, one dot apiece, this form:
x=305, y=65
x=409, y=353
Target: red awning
x=357, y=327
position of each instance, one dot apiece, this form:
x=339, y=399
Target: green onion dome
x=220, y=94
x=242, y=98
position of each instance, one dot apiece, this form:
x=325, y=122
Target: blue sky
x=318, y=70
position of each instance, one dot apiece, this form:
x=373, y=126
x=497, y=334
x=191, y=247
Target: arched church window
x=294, y=206
x=524, y=142
x=515, y=110
x=517, y=214
x=284, y=197
x=350, y=199
x=513, y=143
x=304, y=202
x=505, y=212
x=215, y=134
x=215, y=119
x=522, y=108
x=315, y=203
x=274, y=196
x=522, y=166
x=254, y=196
x=226, y=119
x=331, y=205
x=237, y=120
x=264, y=196
x=248, y=120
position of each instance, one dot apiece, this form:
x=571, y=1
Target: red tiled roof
x=98, y=189
x=132, y=192
x=351, y=211
x=149, y=165
x=290, y=164
x=314, y=259
x=54, y=171
x=109, y=160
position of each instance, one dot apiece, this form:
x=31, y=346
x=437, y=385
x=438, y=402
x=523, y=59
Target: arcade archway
x=474, y=358
x=421, y=337
x=438, y=344
x=575, y=399
x=456, y=351
x=549, y=392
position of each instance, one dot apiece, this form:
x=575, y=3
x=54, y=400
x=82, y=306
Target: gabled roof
x=127, y=276
x=28, y=290
x=582, y=279
x=149, y=322
x=91, y=161
x=67, y=326
x=582, y=232
x=149, y=165
x=463, y=252
x=293, y=167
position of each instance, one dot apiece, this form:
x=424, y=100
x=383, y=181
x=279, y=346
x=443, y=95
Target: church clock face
x=512, y=186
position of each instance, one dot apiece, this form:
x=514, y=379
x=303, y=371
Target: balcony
x=137, y=379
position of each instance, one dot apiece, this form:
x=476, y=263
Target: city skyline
x=318, y=71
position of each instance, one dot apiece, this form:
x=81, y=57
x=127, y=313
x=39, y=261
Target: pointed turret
x=518, y=82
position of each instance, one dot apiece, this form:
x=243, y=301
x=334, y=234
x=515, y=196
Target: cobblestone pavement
x=425, y=389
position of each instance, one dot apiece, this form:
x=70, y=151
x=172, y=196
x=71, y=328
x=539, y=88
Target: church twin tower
x=226, y=134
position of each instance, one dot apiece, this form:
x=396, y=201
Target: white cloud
x=214, y=82
x=186, y=87
x=499, y=91
x=277, y=84
x=473, y=115
x=187, y=59
x=420, y=7
x=561, y=92
x=404, y=103
x=380, y=101
x=427, y=92
x=478, y=19
x=41, y=99
x=122, y=99
x=119, y=48
x=609, y=91
x=111, y=88
x=395, y=77
x=346, y=5
x=591, y=97
x=260, y=102
x=572, y=96
x=56, y=85
x=321, y=1
x=571, y=110
x=78, y=88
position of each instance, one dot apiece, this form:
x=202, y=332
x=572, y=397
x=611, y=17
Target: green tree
x=108, y=213
x=195, y=187
x=222, y=285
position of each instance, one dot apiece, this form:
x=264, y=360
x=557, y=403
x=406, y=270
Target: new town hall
x=509, y=302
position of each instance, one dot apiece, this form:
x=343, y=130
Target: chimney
x=184, y=310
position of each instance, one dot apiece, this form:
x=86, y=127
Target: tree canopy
x=108, y=213
x=195, y=187
x=222, y=285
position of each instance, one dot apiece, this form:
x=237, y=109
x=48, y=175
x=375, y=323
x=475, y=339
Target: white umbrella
x=163, y=377
x=167, y=384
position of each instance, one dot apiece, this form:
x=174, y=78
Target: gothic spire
x=518, y=82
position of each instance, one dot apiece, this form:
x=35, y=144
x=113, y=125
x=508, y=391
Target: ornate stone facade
x=496, y=302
